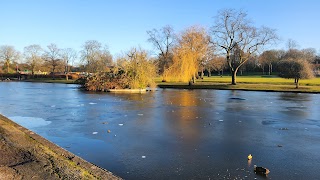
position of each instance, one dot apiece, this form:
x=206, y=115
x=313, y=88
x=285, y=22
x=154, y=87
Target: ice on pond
x=30, y=122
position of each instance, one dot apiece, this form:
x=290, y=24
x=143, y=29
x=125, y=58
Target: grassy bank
x=254, y=83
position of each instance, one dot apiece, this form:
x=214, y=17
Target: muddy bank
x=26, y=155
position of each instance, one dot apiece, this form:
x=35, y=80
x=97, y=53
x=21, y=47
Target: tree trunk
x=194, y=79
x=67, y=73
x=202, y=74
x=234, y=76
x=8, y=64
x=297, y=83
x=53, y=72
x=270, y=69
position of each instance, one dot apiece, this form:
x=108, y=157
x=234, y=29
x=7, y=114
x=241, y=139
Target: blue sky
x=122, y=24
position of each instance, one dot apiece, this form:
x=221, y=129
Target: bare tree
x=268, y=58
x=68, y=56
x=33, y=54
x=89, y=54
x=292, y=44
x=53, y=57
x=8, y=55
x=95, y=57
x=163, y=40
x=309, y=54
x=105, y=58
x=215, y=63
x=233, y=33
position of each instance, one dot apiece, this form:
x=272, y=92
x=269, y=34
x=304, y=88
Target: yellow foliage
x=191, y=49
x=138, y=68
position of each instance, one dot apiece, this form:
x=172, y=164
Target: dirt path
x=26, y=155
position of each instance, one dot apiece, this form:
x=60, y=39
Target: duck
x=249, y=157
x=261, y=170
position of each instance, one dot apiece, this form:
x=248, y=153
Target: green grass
x=262, y=80
x=257, y=83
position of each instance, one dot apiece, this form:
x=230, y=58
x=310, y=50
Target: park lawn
x=262, y=80
x=255, y=80
x=256, y=83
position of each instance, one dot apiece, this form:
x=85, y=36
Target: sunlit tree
x=295, y=69
x=95, y=57
x=232, y=29
x=139, y=69
x=33, y=57
x=8, y=55
x=132, y=70
x=268, y=58
x=53, y=57
x=296, y=64
x=215, y=63
x=68, y=56
x=190, y=50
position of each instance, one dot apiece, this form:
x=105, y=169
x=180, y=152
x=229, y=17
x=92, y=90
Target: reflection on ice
x=30, y=122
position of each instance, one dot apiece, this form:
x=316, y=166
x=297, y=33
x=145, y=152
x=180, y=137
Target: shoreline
x=314, y=89
x=27, y=155
x=242, y=87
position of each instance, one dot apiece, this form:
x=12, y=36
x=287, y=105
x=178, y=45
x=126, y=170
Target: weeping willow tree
x=189, y=52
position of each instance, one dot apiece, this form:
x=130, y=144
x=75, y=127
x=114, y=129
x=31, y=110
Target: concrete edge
x=95, y=170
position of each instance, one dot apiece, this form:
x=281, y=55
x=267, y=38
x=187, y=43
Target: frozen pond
x=175, y=134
